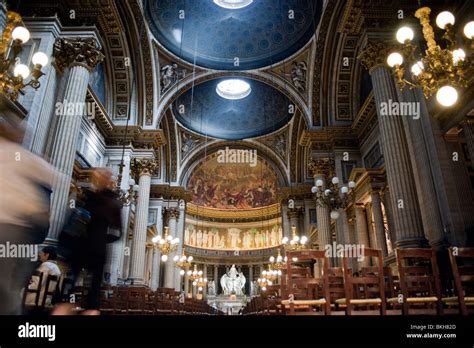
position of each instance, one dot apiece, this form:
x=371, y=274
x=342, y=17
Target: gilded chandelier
x=166, y=244
x=14, y=73
x=441, y=70
x=295, y=243
x=183, y=262
x=278, y=262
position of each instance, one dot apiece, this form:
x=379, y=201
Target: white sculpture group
x=233, y=282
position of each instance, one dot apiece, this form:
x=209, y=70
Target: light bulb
x=181, y=273
x=176, y=258
x=21, y=34
x=469, y=30
x=335, y=180
x=21, y=70
x=270, y=282
x=327, y=192
x=394, y=59
x=334, y=214
x=170, y=238
x=417, y=68
x=200, y=288
x=131, y=182
x=136, y=188
x=279, y=258
x=272, y=259
x=303, y=239
x=458, y=55
x=319, y=183
x=296, y=238
x=264, y=289
x=314, y=189
x=161, y=241
x=444, y=18
x=447, y=96
x=41, y=59
x=189, y=273
x=155, y=239
x=164, y=258
x=190, y=259
x=352, y=184
x=284, y=240
x=294, y=259
x=344, y=189
x=405, y=34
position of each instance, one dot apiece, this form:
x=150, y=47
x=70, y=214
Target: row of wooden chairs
x=42, y=297
x=318, y=288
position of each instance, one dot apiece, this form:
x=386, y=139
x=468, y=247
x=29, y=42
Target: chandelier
x=271, y=274
x=129, y=196
x=333, y=197
x=13, y=73
x=440, y=70
x=296, y=243
x=194, y=275
x=278, y=262
x=263, y=283
x=166, y=244
x=183, y=262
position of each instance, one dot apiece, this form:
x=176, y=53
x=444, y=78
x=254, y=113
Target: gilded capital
x=82, y=51
x=173, y=213
x=143, y=166
x=374, y=55
x=295, y=212
x=322, y=166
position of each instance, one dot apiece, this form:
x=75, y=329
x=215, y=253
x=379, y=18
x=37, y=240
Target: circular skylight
x=233, y=89
x=233, y=4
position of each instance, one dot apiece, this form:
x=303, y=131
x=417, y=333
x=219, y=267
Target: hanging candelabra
x=440, y=70
x=166, y=244
x=278, y=262
x=296, y=242
x=183, y=262
x=13, y=73
x=333, y=196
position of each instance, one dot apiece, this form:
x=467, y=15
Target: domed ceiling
x=204, y=111
x=258, y=32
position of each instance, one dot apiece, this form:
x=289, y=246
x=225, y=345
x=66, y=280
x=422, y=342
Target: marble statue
x=254, y=288
x=170, y=74
x=233, y=282
x=298, y=75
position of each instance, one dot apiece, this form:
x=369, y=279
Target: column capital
x=143, y=166
x=374, y=55
x=85, y=52
x=173, y=213
x=295, y=212
x=321, y=167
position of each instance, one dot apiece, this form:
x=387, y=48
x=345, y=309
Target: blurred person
x=49, y=266
x=104, y=208
x=24, y=210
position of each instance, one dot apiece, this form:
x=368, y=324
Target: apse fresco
x=232, y=238
x=233, y=186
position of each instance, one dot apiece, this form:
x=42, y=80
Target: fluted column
x=204, y=288
x=155, y=269
x=323, y=220
x=378, y=222
x=76, y=58
x=143, y=169
x=294, y=217
x=285, y=221
x=361, y=230
x=186, y=282
x=389, y=215
x=3, y=15
x=180, y=234
x=216, y=280
x=173, y=215
x=468, y=129
x=409, y=229
x=370, y=226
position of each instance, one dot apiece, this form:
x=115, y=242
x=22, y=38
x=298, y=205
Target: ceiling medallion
x=233, y=89
x=233, y=4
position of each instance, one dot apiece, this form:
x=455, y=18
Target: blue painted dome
x=260, y=34
x=263, y=111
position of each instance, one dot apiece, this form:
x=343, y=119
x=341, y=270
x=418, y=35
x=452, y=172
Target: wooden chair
x=462, y=264
x=50, y=289
x=337, y=292
x=366, y=291
x=419, y=281
x=136, y=299
x=107, y=300
x=307, y=292
x=35, y=293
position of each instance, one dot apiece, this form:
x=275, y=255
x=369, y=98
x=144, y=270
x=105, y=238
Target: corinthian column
x=75, y=59
x=361, y=230
x=173, y=215
x=409, y=229
x=3, y=15
x=143, y=169
x=320, y=169
x=380, y=238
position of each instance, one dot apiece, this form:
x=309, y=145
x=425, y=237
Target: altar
x=230, y=305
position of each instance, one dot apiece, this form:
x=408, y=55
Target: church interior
x=237, y=157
